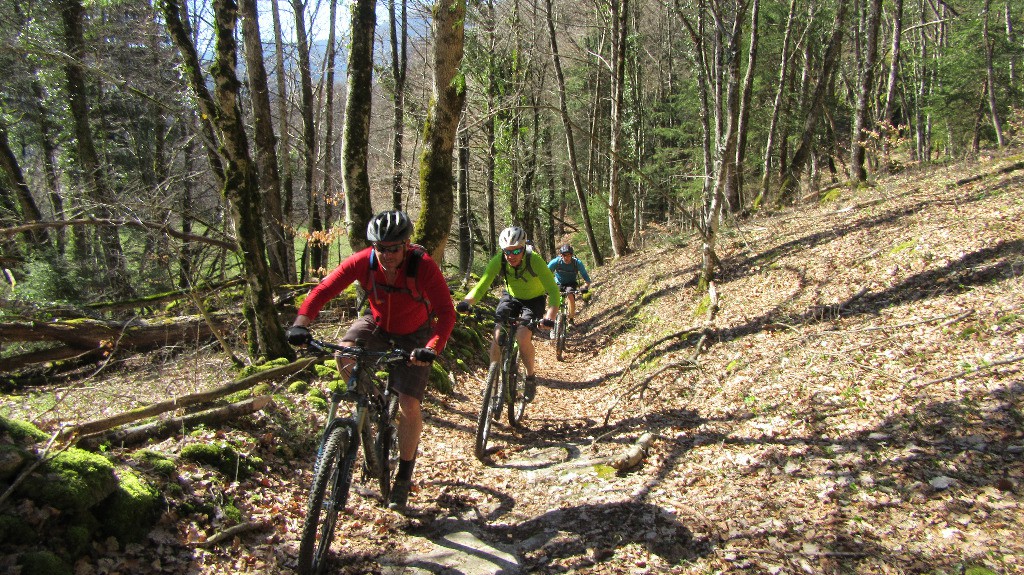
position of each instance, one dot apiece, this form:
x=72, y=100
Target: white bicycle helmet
x=389, y=226
x=512, y=237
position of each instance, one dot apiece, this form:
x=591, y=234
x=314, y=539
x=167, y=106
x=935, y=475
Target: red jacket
x=395, y=311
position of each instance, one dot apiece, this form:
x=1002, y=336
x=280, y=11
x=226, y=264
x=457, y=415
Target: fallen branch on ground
x=106, y=423
x=972, y=371
x=632, y=456
x=232, y=531
x=168, y=427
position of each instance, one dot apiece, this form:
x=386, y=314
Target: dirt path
x=543, y=495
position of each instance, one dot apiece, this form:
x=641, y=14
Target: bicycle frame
x=339, y=447
x=505, y=382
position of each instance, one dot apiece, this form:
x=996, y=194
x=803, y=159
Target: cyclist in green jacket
x=528, y=283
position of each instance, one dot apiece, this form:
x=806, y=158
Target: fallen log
x=168, y=427
x=100, y=337
x=631, y=457
x=106, y=423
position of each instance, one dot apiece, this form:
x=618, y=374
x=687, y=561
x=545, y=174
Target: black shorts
x=408, y=379
x=566, y=285
x=528, y=309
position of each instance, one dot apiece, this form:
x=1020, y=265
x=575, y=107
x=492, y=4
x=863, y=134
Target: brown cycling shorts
x=405, y=378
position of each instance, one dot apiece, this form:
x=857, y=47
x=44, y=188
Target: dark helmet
x=389, y=226
x=566, y=249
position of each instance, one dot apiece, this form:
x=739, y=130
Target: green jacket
x=530, y=279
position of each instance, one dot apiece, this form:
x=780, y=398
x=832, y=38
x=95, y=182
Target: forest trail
x=855, y=405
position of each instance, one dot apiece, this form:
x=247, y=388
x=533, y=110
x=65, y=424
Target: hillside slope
x=853, y=406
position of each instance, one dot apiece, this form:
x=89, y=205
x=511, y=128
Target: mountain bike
x=506, y=381
x=562, y=321
x=373, y=422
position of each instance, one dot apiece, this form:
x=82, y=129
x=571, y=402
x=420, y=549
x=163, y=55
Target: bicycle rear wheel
x=516, y=385
x=560, y=335
x=327, y=497
x=386, y=447
x=490, y=408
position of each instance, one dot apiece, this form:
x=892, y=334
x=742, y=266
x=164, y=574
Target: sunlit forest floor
x=854, y=406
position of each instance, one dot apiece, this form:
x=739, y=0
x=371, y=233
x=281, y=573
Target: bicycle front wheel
x=516, y=386
x=328, y=497
x=490, y=408
x=386, y=447
x=560, y=335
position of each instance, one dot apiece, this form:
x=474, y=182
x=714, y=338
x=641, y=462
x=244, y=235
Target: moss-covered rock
x=254, y=369
x=222, y=457
x=160, y=464
x=12, y=458
x=15, y=531
x=80, y=533
x=132, y=510
x=21, y=431
x=439, y=379
x=43, y=563
x=299, y=387
x=73, y=480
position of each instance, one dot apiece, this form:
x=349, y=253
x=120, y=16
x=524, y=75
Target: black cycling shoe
x=400, y=495
x=531, y=387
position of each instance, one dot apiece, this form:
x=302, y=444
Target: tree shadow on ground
x=893, y=464
x=583, y=535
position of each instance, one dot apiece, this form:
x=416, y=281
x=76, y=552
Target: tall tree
x=399, y=65
x=570, y=143
x=240, y=179
x=356, y=135
x=620, y=30
x=314, y=245
x=830, y=60
x=437, y=182
x=266, y=142
x=283, y=131
x=115, y=264
x=866, y=59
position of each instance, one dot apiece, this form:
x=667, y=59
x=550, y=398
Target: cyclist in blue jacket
x=568, y=268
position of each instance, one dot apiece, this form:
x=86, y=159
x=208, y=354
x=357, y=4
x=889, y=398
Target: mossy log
x=100, y=337
x=168, y=427
x=99, y=425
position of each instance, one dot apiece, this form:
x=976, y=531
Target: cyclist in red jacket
x=411, y=308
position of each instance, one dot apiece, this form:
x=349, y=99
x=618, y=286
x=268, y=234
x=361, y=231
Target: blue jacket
x=566, y=272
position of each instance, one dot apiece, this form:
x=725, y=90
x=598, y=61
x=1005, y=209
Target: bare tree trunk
x=241, y=185
x=285, y=140
x=619, y=22
x=115, y=265
x=791, y=180
x=769, y=147
x=356, y=138
x=399, y=61
x=866, y=62
x=314, y=247
x=36, y=239
x=465, y=239
x=437, y=182
x=744, y=111
x=570, y=144
x=263, y=136
x=997, y=123
x=330, y=157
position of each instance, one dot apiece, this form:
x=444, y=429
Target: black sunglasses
x=388, y=249
x=514, y=252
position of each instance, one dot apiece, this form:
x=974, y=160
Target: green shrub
x=43, y=563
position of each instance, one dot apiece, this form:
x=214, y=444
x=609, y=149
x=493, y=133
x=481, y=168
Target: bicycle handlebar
x=326, y=348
